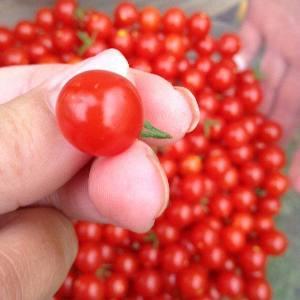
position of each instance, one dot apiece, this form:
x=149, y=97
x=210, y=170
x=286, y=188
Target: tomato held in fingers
x=91, y=112
x=100, y=113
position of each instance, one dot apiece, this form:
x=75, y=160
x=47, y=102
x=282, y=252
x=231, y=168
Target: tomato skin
x=221, y=77
x=64, y=11
x=193, y=281
x=45, y=18
x=14, y=56
x=126, y=14
x=148, y=283
x=230, y=284
x=252, y=259
x=104, y=129
x=64, y=39
x=88, y=259
x=88, y=232
x=258, y=289
x=148, y=46
x=88, y=287
x=116, y=286
x=6, y=38
x=234, y=239
x=174, y=20
x=194, y=80
x=127, y=264
x=123, y=41
x=199, y=25
x=174, y=258
x=150, y=19
x=229, y=44
x=98, y=23
x=273, y=242
x=25, y=31
x=165, y=65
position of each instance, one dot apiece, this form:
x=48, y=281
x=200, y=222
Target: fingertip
x=130, y=189
x=164, y=106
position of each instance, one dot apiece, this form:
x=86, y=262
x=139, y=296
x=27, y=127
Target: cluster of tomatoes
x=225, y=178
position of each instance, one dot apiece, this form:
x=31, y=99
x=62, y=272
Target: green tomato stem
x=149, y=131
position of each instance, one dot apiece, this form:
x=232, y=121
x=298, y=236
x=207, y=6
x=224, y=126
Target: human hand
x=38, y=167
x=274, y=25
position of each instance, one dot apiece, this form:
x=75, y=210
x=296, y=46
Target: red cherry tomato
x=126, y=14
x=103, y=96
x=150, y=19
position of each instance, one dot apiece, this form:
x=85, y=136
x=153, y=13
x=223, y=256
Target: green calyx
x=149, y=131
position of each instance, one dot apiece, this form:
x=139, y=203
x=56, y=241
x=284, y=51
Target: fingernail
x=191, y=100
x=109, y=60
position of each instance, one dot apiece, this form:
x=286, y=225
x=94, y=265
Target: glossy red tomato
x=205, y=46
x=221, y=77
x=174, y=258
x=45, y=18
x=190, y=165
x=194, y=80
x=64, y=39
x=174, y=20
x=6, y=38
x=270, y=131
x=229, y=44
x=104, y=128
x=149, y=256
x=116, y=286
x=250, y=95
x=88, y=232
x=258, y=289
x=252, y=258
x=25, y=31
x=123, y=41
x=64, y=11
x=233, y=238
x=126, y=14
x=88, y=287
x=243, y=199
x=199, y=25
x=148, y=46
x=165, y=65
x=220, y=206
x=127, y=264
x=204, y=64
x=148, y=283
x=204, y=236
x=272, y=158
x=166, y=232
x=192, y=187
x=116, y=236
x=14, y=56
x=193, y=281
x=230, y=284
x=150, y=19
x=273, y=242
x=214, y=258
x=276, y=184
x=179, y=213
x=88, y=259
x=36, y=51
x=99, y=24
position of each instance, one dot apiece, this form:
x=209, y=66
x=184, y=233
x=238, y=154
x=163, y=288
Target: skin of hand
x=274, y=25
x=45, y=182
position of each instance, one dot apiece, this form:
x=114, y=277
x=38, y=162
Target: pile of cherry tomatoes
x=225, y=178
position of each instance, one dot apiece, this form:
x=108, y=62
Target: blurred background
x=228, y=15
